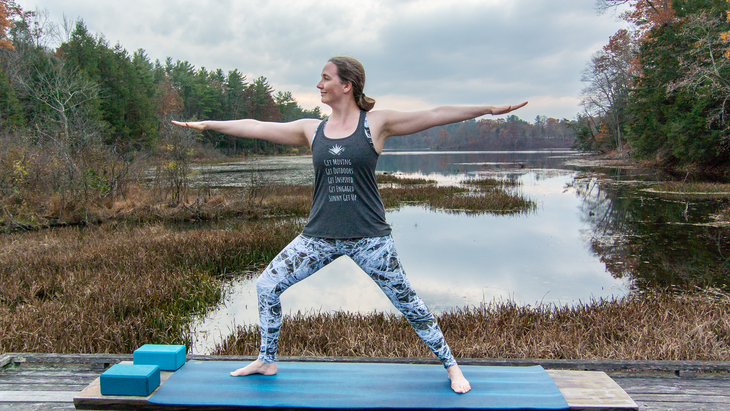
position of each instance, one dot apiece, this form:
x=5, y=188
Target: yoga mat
x=359, y=386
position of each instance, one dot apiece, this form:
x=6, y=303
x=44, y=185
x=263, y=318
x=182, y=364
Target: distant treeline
x=511, y=133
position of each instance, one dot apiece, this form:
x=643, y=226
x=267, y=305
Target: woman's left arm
x=388, y=123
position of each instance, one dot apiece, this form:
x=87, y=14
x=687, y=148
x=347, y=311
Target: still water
x=579, y=245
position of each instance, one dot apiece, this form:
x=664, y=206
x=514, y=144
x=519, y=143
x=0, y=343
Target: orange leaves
x=7, y=9
x=649, y=14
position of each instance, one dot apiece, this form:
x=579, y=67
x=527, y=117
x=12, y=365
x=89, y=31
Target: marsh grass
x=490, y=183
x=645, y=327
x=692, y=188
x=110, y=289
x=486, y=196
x=384, y=178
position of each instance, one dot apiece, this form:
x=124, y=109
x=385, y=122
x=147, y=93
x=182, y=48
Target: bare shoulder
x=307, y=125
x=396, y=123
x=382, y=116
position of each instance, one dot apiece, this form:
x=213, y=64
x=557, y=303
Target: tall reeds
x=645, y=327
x=110, y=289
x=475, y=196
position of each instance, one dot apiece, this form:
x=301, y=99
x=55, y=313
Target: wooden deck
x=50, y=381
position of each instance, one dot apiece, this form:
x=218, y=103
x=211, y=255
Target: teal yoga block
x=167, y=357
x=130, y=379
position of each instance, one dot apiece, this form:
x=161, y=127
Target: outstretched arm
x=295, y=133
x=396, y=123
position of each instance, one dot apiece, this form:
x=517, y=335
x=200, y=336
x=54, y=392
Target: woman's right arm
x=294, y=133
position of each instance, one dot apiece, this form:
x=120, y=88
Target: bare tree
x=609, y=79
x=62, y=89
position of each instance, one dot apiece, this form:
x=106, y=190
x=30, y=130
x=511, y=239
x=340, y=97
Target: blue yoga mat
x=359, y=386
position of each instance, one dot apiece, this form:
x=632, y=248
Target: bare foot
x=257, y=367
x=458, y=383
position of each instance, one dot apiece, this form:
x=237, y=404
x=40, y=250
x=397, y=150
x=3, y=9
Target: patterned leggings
x=376, y=256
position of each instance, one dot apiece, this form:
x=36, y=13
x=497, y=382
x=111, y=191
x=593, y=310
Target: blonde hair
x=352, y=71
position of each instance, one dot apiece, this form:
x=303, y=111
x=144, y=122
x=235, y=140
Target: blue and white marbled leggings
x=376, y=256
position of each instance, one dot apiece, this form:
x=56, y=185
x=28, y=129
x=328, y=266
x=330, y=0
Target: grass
x=646, y=327
x=393, y=179
x=692, y=188
x=110, y=289
x=476, y=196
x=490, y=183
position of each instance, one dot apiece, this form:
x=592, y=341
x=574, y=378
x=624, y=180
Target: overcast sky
x=417, y=53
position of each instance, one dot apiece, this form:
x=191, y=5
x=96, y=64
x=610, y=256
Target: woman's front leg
x=297, y=261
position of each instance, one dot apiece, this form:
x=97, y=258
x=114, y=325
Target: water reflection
x=656, y=242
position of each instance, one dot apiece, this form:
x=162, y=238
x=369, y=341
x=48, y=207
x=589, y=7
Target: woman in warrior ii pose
x=347, y=215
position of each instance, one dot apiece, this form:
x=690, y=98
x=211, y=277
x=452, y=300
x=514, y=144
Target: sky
x=417, y=54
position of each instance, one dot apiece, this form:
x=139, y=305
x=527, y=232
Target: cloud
x=425, y=52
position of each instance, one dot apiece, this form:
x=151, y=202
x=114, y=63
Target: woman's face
x=331, y=88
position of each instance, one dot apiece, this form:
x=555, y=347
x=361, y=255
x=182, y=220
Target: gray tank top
x=346, y=201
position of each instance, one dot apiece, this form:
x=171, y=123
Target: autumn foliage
x=7, y=10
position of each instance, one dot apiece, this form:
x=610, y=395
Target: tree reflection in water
x=658, y=243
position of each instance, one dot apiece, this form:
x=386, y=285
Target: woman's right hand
x=198, y=125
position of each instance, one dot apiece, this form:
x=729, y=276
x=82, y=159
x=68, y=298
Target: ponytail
x=365, y=103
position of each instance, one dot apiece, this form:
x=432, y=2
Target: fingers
x=198, y=125
x=507, y=109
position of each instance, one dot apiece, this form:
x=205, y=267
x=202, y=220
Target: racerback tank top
x=346, y=202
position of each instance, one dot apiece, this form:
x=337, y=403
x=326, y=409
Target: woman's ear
x=347, y=87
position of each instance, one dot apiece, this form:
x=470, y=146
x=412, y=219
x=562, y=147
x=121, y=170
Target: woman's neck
x=344, y=113
x=343, y=120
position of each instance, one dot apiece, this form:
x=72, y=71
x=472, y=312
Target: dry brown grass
x=490, y=183
x=487, y=198
x=650, y=327
x=113, y=288
x=384, y=178
x=691, y=189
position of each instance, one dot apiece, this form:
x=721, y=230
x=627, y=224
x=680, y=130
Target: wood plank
x=45, y=379
x=697, y=399
x=36, y=406
x=679, y=406
x=58, y=386
x=660, y=387
x=5, y=360
x=581, y=365
x=591, y=390
x=37, y=396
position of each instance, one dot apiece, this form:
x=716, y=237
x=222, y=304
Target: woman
x=347, y=215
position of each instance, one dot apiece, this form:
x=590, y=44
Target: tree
x=63, y=90
x=674, y=100
x=707, y=68
x=644, y=14
x=291, y=110
x=10, y=109
x=8, y=9
x=609, y=77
